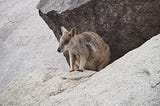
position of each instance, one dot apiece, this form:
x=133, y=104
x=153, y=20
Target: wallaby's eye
x=66, y=42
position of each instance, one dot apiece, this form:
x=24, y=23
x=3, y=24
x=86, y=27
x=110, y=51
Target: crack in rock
x=154, y=86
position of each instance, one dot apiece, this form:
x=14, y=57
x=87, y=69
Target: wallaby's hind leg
x=83, y=60
x=104, y=64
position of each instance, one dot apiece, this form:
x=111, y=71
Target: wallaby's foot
x=81, y=70
x=71, y=70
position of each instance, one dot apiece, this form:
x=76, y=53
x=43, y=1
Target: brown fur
x=86, y=50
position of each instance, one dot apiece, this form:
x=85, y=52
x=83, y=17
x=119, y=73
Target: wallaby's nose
x=59, y=50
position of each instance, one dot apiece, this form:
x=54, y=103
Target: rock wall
x=123, y=24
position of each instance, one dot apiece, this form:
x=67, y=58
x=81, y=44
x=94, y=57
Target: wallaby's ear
x=73, y=31
x=63, y=30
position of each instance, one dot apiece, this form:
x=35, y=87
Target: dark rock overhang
x=123, y=24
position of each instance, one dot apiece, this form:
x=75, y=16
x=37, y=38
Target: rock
x=37, y=87
x=26, y=42
x=123, y=24
x=133, y=80
x=59, y=5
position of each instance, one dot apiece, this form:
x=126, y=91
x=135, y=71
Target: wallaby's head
x=65, y=39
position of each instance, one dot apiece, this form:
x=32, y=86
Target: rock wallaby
x=86, y=50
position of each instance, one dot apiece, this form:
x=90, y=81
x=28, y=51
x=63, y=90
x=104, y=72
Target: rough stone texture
x=36, y=88
x=133, y=80
x=123, y=24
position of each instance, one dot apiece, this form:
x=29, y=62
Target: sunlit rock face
x=123, y=24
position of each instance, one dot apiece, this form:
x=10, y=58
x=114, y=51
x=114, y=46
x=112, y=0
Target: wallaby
x=87, y=51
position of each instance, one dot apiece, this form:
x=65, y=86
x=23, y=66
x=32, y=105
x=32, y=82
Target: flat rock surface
x=37, y=87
